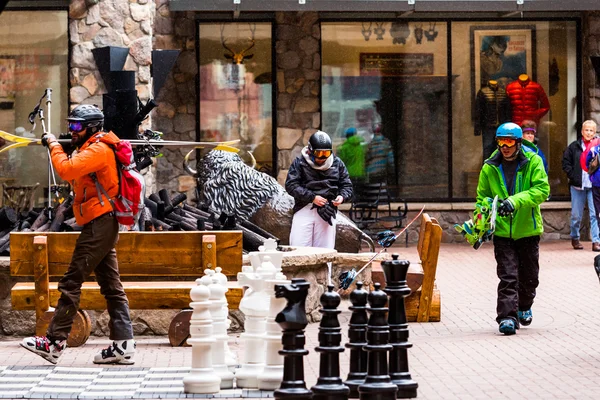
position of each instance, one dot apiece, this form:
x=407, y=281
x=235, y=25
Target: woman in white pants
x=319, y=183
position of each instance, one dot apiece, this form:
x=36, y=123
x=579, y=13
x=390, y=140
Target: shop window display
x=33, y=57
x=236, y=87
x=514, y=71
x=389, y=82
x=393, y=77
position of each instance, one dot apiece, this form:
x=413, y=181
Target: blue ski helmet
x=509, y=130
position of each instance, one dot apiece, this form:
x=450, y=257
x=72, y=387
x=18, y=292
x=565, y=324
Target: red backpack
x=129, y=202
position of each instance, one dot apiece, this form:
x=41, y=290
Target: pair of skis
x=19, y=141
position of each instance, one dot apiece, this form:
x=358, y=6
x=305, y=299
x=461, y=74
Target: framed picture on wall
x=501, y=53
x=7, y=81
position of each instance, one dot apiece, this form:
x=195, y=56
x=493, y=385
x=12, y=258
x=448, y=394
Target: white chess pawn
x=202, y=377
x=219, y=316
x=230, y=357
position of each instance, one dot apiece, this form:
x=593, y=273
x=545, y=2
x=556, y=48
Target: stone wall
x=298, y=48
x=176, y=112
x=118, y=23
x=556, y=225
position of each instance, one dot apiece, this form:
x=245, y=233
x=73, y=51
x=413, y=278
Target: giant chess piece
x=255, y=306
x=395, y=286
x=272, y=375
x=329, y=384
x=357, y=339
x=378, y=385
x=230, y=357
x=219, y=317
x=202, y=377
x=293, y=322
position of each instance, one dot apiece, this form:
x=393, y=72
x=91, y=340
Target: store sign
x=396, y=64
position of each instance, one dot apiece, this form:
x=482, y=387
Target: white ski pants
x=309, y=229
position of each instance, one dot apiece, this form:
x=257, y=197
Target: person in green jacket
x=521, y=183
x=352, y=153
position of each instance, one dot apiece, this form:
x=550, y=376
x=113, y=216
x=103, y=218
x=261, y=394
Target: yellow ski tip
x=227, y=148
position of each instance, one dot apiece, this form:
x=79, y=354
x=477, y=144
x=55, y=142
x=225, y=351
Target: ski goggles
x=506, y=142
x=75, y=126
x=321, y=153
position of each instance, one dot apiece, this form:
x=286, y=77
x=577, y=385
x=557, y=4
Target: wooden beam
x=429, y=268
x=141, y=295
x=138, y=253
x=42, y=281
x=209, y=252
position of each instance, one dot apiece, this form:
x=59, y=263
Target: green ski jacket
x=531, y=189
x=352, y=153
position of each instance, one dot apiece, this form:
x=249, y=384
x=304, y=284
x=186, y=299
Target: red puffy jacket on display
x=528, y=100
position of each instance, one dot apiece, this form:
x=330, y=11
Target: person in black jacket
x=319, y=182
x=492, y=110
x=581, y=186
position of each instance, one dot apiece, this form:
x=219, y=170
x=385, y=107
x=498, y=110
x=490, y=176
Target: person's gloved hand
x=326, y=212
x=505, y=208
x=48, y=139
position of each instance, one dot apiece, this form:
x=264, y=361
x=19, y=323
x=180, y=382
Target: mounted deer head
x=239, y=57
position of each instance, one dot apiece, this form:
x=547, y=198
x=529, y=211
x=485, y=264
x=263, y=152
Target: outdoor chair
x=372, y=211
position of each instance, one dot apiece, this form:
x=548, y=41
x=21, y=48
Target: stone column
x=297, y=43
x=121, y=23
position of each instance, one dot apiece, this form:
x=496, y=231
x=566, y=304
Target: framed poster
x=501, y=53
x=7, y=81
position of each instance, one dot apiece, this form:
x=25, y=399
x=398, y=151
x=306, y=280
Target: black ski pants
x=518, y=269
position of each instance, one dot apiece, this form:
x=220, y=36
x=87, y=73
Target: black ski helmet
x=319, y=141
x=90, y=117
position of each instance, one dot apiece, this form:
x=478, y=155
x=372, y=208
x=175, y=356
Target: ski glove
x=326, y=212
x=386, y=238
x=48, y=139
x=505, y=208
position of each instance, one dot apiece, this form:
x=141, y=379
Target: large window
x=236, y=87
x=388, y=81
x=391, y=82
x=33, y=57
x=487, y=57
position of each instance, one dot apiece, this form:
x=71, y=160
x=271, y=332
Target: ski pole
x=347, y=278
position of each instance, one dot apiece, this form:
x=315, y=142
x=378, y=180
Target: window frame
x=228, y=18
x=448, y=21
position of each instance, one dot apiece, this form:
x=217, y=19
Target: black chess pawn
x=329, y=384
x=292, y=320
x=395, y=286
x=357, y=339
x=378, y=385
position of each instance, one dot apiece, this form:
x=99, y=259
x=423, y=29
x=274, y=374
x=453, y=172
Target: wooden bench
x=144, y=256
x=424, y=302
x=430, y=238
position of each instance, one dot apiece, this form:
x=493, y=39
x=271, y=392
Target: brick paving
x=461, y=357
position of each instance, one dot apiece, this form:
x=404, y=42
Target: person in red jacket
x=95, y=247
x=528, y=100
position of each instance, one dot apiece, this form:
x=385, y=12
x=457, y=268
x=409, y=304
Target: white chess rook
x=255, y=305
x=219, y=317
x=202, y=377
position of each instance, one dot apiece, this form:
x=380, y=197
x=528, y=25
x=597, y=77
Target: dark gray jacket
x=571, y=164
x=304, y=182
